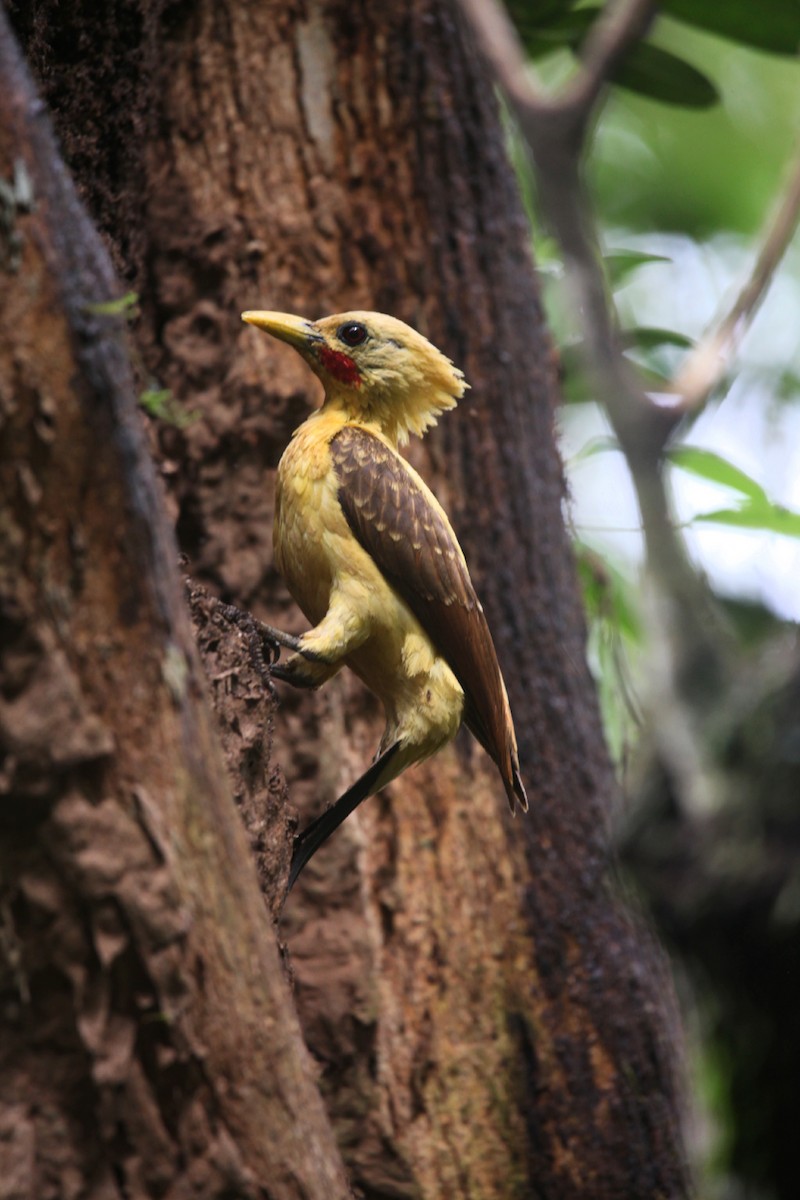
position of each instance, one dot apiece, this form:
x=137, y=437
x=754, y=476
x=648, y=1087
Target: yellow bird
x=369, y=555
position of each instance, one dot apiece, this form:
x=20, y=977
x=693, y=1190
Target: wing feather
x=398, y=522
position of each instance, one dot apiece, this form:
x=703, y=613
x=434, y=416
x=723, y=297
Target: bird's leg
x=287, y=674
x=251, y=625
x=287, y=640
x=304, y=671
x=306, y=668
x=321, y=651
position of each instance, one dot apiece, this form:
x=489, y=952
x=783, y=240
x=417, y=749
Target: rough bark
x=132, y=924
x=489, y=1020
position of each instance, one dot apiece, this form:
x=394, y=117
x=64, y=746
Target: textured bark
x=244, y=702
x=132, y=925
x=489, y=1020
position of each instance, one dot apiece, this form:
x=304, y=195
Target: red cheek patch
x=340, y=366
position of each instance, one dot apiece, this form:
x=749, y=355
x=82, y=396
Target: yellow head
x=379, y=369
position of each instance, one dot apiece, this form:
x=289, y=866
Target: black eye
x=352, y=334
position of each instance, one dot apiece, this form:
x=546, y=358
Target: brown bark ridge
x=148, y=1044
x=488, y=1019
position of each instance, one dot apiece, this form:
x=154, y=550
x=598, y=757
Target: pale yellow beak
x=297, y=331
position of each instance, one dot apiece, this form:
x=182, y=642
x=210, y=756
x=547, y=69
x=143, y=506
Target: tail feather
x=515, y=788
x=505, y=758
x=318, y=831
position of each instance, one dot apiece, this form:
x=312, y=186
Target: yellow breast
x=317, y=554
x=305, y=509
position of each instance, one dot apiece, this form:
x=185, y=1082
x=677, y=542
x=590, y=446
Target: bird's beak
x=297, y=331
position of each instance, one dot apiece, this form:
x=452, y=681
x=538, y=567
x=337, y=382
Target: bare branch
x=705, y=367
x=498, y=39
x=546, y=126
x=554, y=129
x=621, y=24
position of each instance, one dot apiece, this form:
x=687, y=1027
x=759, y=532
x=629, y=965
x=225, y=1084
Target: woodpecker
x=369, y=555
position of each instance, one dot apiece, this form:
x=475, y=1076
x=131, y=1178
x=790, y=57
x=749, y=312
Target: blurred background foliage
x=686, y=164
x=689, y=156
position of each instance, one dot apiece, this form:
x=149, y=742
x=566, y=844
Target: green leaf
x=161, y=404
x=125, y=306
x=607, y=593
x=576, y=381
x=786, y=385
x=757, y=512
x=646, y=69
x=752, y=622
x=656, y=353
x=763, y=516
x=647, y=337
x=548, y=254
x=602, y=444
x=615, y=631
x=772, y=25
x=659, y=75
x=713, y=467
x=544, y=25
x=575, y=387
x=620, y=263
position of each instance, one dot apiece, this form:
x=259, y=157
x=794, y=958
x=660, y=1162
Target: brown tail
x=505, y=759
x=515, y=789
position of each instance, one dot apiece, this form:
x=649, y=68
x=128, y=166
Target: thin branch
x=498, y=39
x=546, y=126
x=555, y=130
x=620, y=25
x=705, y=366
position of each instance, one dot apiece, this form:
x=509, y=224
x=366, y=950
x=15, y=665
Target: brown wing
x=394, y=517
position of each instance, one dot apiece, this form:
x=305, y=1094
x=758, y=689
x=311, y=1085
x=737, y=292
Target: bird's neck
x=339, y=409
x=397, y=405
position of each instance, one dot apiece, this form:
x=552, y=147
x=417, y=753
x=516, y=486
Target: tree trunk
x=489, y=1020
x=132, y=925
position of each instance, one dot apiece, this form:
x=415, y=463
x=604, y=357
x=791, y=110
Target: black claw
x=291, y=674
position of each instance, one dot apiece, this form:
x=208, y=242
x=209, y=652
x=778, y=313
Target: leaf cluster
x=648, y=69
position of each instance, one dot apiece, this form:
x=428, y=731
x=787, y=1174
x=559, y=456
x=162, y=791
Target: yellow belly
x=319, y=557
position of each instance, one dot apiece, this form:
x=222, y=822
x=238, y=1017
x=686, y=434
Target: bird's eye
x=352, y=334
